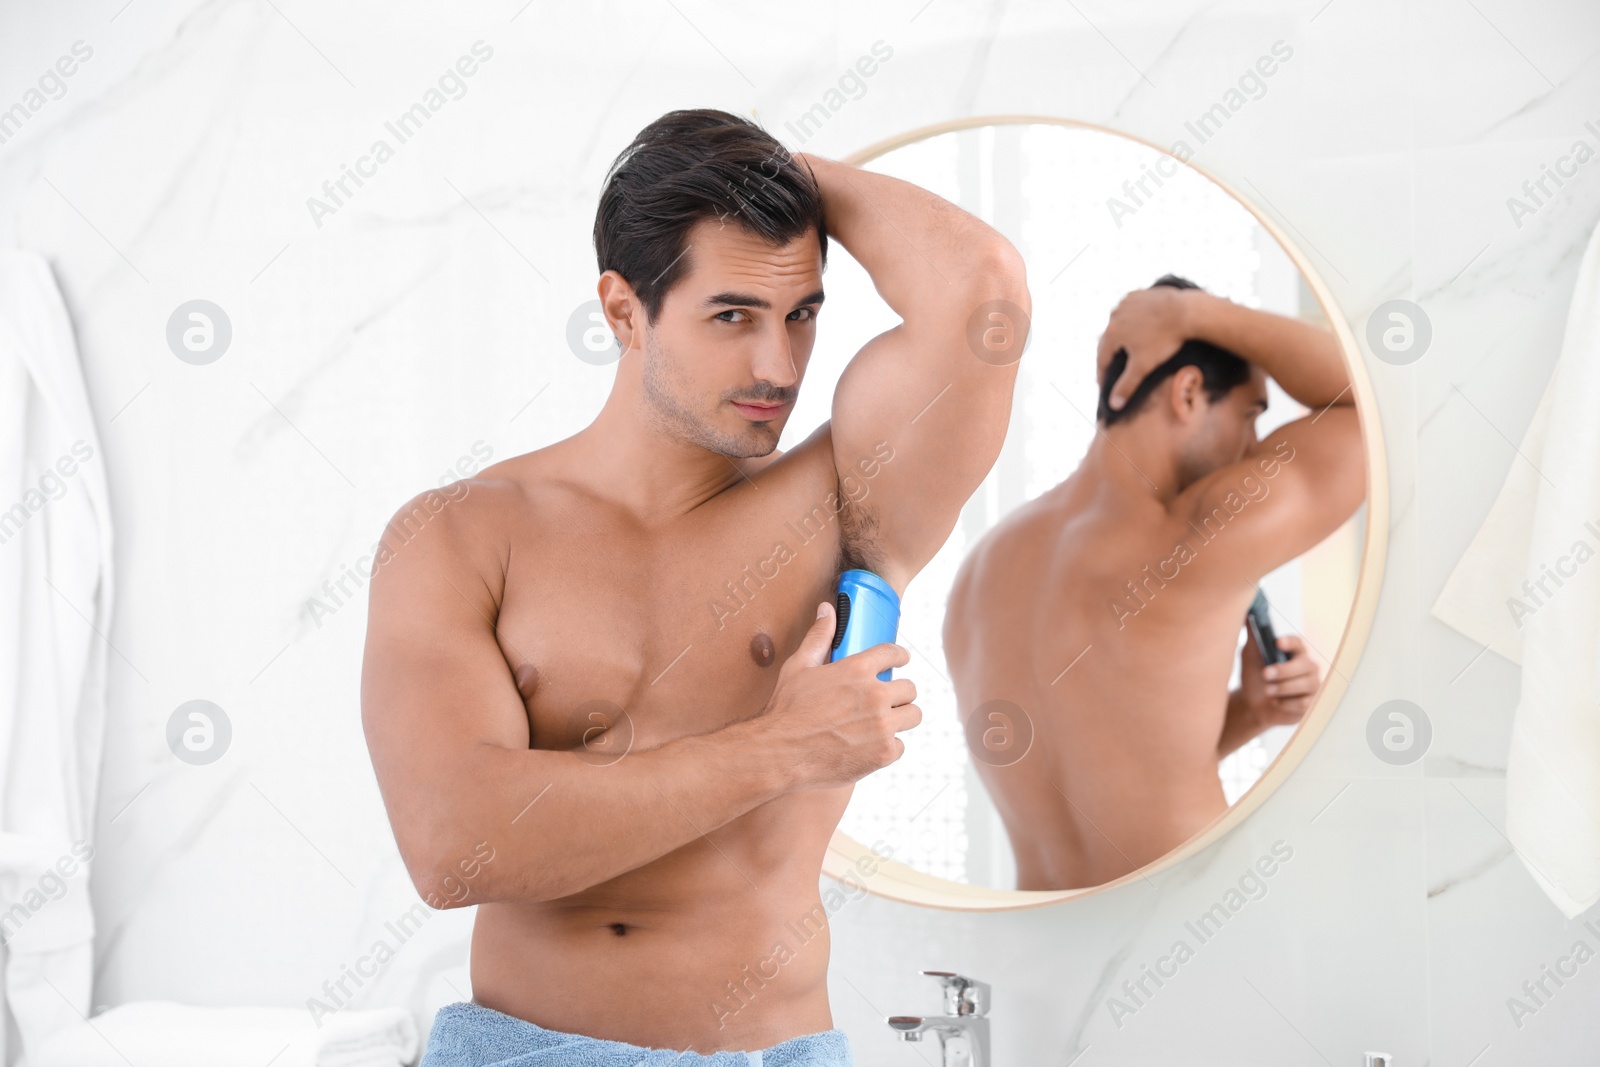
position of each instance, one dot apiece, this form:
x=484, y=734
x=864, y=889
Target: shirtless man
x=1104, y=614
x=603, y=666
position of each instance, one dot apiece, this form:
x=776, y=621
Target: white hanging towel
x=1528, y=587
x=55, y=603
x=1483, y=597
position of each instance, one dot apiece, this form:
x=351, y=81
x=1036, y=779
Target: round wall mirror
x=1020, y=789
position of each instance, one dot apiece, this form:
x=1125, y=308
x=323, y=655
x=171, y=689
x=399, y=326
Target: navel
x=762, y=650
x=619, y=928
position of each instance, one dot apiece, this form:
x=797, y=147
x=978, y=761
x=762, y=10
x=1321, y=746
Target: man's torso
x=719, y=943
x=1122, y=672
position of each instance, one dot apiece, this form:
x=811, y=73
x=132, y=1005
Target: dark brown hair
x=691, y=165
x=1220, y=370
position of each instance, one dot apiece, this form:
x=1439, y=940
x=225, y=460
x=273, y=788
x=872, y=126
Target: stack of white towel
x=160, y=1033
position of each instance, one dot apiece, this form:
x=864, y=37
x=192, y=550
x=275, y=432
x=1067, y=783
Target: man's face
x=1225, y=430
x=725, y=356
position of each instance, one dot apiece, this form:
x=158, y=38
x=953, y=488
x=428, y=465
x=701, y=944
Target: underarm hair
x=859, y=545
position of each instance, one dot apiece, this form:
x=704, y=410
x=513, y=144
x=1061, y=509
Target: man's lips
x=759, y=412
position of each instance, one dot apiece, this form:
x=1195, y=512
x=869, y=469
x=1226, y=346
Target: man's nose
x=774, y=360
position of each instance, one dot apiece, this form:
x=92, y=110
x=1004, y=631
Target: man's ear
x=620, y=305
x=1186, y=393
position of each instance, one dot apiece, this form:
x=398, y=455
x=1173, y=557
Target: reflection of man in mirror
x=1109, y=609
x=603, y=663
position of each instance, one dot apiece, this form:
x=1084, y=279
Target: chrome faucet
x=963, y=1029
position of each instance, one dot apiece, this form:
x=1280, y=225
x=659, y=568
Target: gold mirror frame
x=895, y=880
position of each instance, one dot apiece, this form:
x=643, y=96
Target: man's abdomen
x=720, y=944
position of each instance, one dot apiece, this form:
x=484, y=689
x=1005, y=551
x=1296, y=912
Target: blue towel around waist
x=470, y=1035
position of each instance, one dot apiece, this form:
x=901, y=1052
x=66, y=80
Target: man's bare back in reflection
x=1108, y=610
x=607, y=660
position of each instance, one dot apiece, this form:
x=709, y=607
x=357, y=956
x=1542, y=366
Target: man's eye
x=730, y=311
x=809, y=314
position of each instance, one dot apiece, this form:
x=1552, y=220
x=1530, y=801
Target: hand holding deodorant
x=868, y=613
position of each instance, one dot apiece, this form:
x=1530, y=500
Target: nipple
x=762, y=650
x=527, y=678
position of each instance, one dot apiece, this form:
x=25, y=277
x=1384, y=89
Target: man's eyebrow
x=728, y=298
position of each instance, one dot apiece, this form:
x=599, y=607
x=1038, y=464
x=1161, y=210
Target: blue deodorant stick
x=868, y=614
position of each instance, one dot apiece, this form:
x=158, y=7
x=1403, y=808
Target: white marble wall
x=426, y=317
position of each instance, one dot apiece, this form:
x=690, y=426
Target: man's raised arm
x=1311, y=470
x=936, y=389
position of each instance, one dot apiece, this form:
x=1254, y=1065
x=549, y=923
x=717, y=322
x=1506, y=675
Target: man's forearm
x=919, y=248
x=560, y=822
x=1304, y=359
x=1239, y=726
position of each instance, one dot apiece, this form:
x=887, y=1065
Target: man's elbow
x=997, y=297
x=457, y=873
x=1002, y=274
x=461, y=874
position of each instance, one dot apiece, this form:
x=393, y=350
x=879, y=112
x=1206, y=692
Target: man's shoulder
x=797, y=481
x=1050, y=526
x=810, y=462
x=1248, y=517
x=1065, y=549
x=464, y=503
x=1019, y=543
x=461, y=522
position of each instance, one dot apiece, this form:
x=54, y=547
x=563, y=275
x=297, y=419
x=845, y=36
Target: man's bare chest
x=623, y=638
